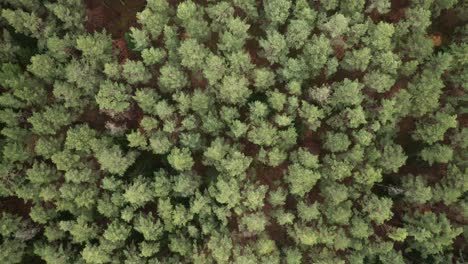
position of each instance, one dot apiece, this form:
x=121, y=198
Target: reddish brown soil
x=463, y=120
x=397, y=12
x=15, y=205
x=253, y=49
x=375, y=16
x=396, y=15
x=268, y=175
x=310, y=141
x=454, y=214
x=381, y=230
x=339, y=51
x=400, y=84
x=238, y=12
x=116, y=16
x=406, y=125
x=96, y=119
x=315, y=196
x=447, y=22
x=278, y=233
x=98, y=18
x=249, y=148
x=436, y=39
x=342, y=74
x=398, y=9
x=199, y=167
x=121, y=50
x=198, y=81
x=133, y=117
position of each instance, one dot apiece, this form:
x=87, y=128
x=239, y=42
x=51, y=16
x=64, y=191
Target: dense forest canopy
x=244, y=131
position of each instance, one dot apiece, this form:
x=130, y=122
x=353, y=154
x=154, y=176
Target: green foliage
x=160, y=144
x=47, y=146
x=113, y=70
x=192, y=54
x=23, y=22
x=154, y=17
x=254, y=197
x=297, y=33
x=263, y=78
x=254, y=222
x=50, y=120
x=70, y=13
x=316, y=53
x=180, y=159
x=399, y=234
x=116, y=231
x=337, y=142
x=277, y=11
x=264, y=135
x=227, y=192
x=274, y=47
x=81, y=230
x=416, y=189
x=308, y=213
x=378, y=81
x=427, y=86
x=221, y=247
x=191, y=16
x=138, y=193
x=149, y=249
x=368, y=176
x=242, y=131
x=136, y=139
x=357, y=60
x=68, y=94
x=234, y=89
x=451, y=188
x=113, y=160
x=360, y=228
x=301, y=179
x=172, y=78
x=95, y=254
x=113, y=97
x=148, y=226
x=437, y=154
x=433, y=130
x=431, y=232
x=306, y=235
x=381, y=36
x=347, y=93
x=336, y=25
x=12, y=251
x=42, y=66
x=95, y=47
x=311, y=114
x=42, y=173
x=235, y=36
x=214, y=69
x=135, y=72
x=80, y=138
x=382, y=6
x=153, y=56
x=378, y=209
x=140, y=38
x=392, y=158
